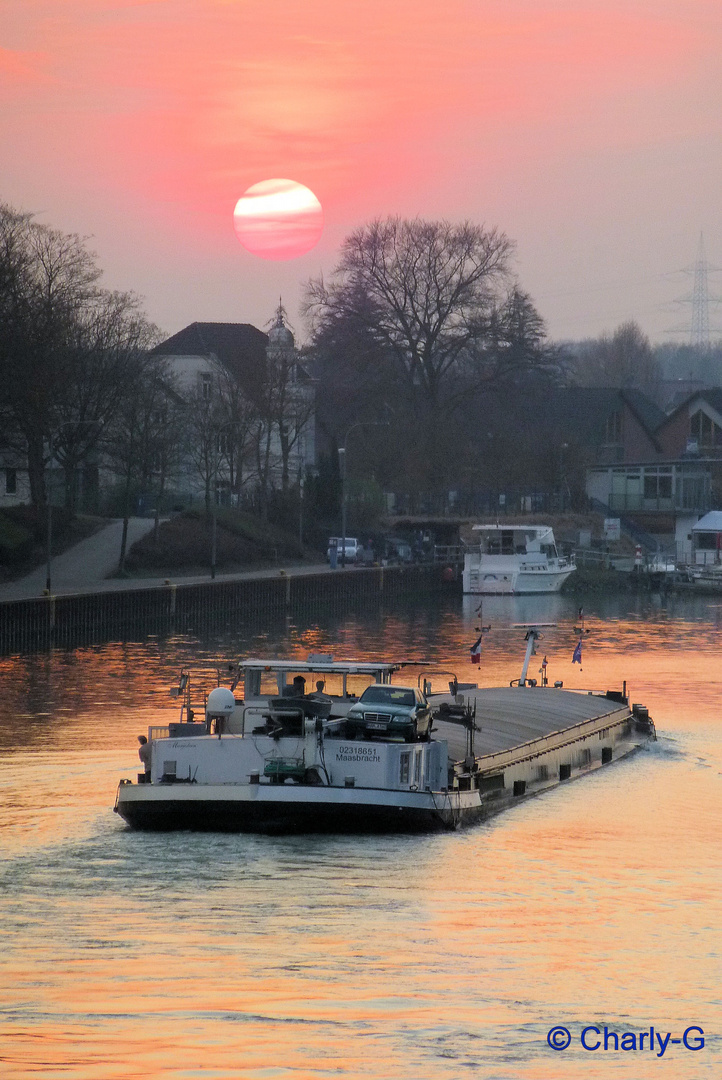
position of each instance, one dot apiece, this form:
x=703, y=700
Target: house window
x=613, y=432
x=11, y=481
x=206, y=385
x=657, y=485
x=703, y=429
x=706, y=541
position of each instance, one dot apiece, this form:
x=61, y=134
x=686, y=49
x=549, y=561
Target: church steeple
x=279, y=336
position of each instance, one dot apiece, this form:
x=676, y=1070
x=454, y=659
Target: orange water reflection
x=185, y=956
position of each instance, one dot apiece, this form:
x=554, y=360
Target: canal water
x=216, y=957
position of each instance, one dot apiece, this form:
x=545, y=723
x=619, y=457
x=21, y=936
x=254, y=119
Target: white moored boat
x=285, y=763
x=514, y=559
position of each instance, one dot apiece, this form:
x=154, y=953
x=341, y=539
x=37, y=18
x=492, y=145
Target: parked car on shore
x=352, y=548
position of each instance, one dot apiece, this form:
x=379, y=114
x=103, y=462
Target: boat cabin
x=516, y=540
x=319, y=685
x=344, y=680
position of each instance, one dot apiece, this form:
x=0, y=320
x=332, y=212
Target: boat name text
x=358, y=753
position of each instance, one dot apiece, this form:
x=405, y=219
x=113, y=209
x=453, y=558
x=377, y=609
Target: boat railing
x=603, y=723
x=159, y=731
x=449, y=553
x=254, y=716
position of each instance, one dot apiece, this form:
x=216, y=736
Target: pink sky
x=589, y=131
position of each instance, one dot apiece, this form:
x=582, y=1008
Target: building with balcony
x=668, y=493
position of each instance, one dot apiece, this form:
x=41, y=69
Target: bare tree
x=422, y=291
x=131, y=445
x=100, y=362
x=67, y=346
x=203, y=419
x=45, y=280
x=236, y=417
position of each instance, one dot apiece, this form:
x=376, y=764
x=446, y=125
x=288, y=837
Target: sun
x=278, y=219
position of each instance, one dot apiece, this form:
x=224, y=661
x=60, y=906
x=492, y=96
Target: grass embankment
x=183, y=544
x=24, y=537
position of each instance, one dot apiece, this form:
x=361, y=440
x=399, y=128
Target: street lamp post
x=49, y=537
x=342, y=469
x=300, y=510
x=301, y=481
x=48, y=496
x=562, y=478
x=214, y=493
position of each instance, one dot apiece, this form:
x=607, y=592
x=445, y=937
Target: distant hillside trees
x=685, y=364
x=624, y=360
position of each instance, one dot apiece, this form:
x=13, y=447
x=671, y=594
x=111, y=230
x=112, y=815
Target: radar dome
x=220, y=702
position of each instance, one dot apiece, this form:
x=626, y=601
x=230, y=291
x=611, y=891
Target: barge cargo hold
x=285, y=764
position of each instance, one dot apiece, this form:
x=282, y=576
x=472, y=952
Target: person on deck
x=144, y=754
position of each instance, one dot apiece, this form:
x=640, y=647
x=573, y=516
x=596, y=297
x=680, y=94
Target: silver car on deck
x=388, y=712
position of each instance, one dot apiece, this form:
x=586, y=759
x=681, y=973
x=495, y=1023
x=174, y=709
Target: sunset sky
x=590, y=131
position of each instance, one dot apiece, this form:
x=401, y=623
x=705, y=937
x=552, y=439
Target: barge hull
x=278, y=818
x=289, y=809
x=280, y=809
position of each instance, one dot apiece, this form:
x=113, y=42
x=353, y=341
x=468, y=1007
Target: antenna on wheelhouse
x=531, y=638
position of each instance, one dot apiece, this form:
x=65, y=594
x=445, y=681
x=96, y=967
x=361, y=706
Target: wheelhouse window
x=417, y=768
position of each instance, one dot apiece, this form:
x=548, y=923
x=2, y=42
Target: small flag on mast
x=476, y=651
x=577, y=657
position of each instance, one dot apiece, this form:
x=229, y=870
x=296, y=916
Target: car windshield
x=388, y=695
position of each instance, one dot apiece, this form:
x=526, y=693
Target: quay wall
x=70, y=620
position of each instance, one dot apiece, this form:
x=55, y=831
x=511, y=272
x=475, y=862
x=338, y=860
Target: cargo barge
x=268, y=757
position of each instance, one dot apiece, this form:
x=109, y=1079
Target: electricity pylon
x=700, y=300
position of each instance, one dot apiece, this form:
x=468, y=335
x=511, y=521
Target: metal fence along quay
x=73, y=619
